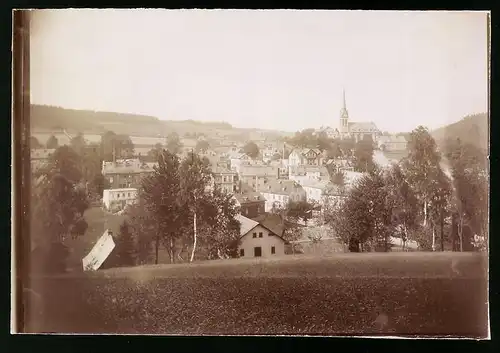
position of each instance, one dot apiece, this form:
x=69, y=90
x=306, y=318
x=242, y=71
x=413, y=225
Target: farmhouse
x=256, y=240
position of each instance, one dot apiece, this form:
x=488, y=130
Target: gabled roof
x=248, y=197
x=246, y=224
x=281, y=187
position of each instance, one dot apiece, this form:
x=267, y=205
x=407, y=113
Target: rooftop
x=249, y=197
x=281, y=187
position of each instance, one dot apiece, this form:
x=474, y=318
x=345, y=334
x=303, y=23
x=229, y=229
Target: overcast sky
x=265, y=69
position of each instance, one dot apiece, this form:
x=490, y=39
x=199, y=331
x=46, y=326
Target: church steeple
x=343, y=96
x=344, y=115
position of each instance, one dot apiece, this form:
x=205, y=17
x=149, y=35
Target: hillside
x=52, y=119
x=471, y=129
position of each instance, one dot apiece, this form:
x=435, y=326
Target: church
x=356, y=130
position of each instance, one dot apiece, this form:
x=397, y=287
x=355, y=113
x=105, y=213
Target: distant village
x=280, y=172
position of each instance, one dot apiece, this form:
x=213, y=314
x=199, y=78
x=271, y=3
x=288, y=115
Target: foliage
x=300, y=210
x=251, y=149
x=365, y=216
x=52, y=142
x=363, y=156
x=202, y=146
x=402, y=201
x=160, y=195
x=338, y=178
x=124, y=251
x=347, y=147
x=174, y=144
x=144, y=230
x=58, y=205
x=34, y=143
x=421, y=166
x=119, y=146
x=154, y=153
x=470, y=196
x=77, y=143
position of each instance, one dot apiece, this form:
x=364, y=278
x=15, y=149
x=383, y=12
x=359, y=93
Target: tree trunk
x=453, y=235
x=195, y=238
x=425, y=213
x=460, y=233
x=172, y=250
x=433, y=238
x=405, y=235
x=442, y=229
x=157, y=246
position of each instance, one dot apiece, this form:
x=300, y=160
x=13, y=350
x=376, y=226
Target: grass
x=424, y=294
x=98, y=221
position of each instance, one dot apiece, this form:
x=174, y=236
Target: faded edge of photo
x=20, y=182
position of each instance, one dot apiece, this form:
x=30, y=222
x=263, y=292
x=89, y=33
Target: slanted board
x=99, y=252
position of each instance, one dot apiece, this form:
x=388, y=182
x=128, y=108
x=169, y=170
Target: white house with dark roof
x=256, y=240
x=356, y=130
x=279, y=192
x=305, y=156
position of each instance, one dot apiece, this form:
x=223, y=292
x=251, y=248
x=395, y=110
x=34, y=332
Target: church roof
x=363, y=127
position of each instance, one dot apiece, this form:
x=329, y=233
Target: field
x=346, y=294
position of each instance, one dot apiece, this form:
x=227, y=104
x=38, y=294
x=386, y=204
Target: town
x=284, y=190
x=240, y=172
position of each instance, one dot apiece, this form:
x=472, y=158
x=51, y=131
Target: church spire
x=343, y=96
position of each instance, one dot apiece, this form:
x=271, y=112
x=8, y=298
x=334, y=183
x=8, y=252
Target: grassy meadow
x=423, y=294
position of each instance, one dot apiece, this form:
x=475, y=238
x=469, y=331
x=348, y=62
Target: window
x=118, y=196
x=273, y=250
x=129, y=194
x=260, y=234
x=242, y=252
x=254, y=235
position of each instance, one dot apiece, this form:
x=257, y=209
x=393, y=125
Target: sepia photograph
x=251, y=173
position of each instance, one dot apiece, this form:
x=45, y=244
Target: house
x=251, y=204
x=257, y=176
x=322, y=192
x=340, y=164
x=118, y=198
x=126, y=173
x=356, y=130
x=256, y=240
x=331, y=133
x=392, y=143
x=279, y=192
x=304, y=173
x=305, y=156
x=225, y=179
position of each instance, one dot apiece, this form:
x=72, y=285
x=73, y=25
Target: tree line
x=178, y=209
x=416, y=200
x=360, y=153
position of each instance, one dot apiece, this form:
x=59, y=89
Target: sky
x=280, y=69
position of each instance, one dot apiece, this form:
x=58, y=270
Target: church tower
x=344, y=117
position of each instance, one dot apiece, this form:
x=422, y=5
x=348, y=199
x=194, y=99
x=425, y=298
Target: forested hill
x=471, y=129
x=56, y=119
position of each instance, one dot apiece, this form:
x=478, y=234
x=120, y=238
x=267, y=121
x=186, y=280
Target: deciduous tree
x=251, y=149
